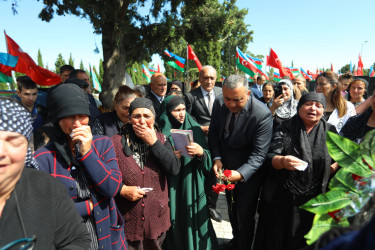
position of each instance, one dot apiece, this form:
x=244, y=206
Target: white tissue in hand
x=301, y=167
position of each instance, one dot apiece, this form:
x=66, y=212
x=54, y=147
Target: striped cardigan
x=101, y=168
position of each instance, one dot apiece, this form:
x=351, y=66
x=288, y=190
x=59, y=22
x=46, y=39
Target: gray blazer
x=196, y=106
x=248, y=146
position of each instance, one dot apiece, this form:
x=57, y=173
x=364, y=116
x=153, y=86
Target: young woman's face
x=122, y=109
x=179, y=113
x=323, y=86
x=268, y=92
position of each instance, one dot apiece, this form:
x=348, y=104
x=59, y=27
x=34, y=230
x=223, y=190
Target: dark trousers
x=243, y=209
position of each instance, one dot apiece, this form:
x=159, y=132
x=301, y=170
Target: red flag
x=274, y=61
x=159, y=71
x=193, y=56
x=331, y=67
x=26, y=65
x=360, y=66
x=289, y=72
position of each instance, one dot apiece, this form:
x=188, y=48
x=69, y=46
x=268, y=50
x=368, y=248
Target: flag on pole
x=258, y=62
x=305, y=75
x=176, y=66
x=180, y=61
x=152, y=70
x=26, y=65
x=332, y=67
x=95, y=82
x=360, y=66
x=372, y=72
x=245, y=64
x=146, y=73
x=193, y=56
x=289, y=72
x=274, y=61
x=7, y=64
x=159, y=71
x=276, y=77
x=351, y=67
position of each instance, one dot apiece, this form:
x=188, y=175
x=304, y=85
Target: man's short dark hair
x=75, y=72
x=66, y=68
x=234, y=81
x=25, y=82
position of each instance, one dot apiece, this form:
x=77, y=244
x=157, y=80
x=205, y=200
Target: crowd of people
x=72, y=177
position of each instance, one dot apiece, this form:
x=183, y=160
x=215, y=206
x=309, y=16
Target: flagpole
x=187, y=70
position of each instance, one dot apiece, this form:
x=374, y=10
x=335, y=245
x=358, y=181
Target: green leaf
x=368, y=149
x=336, y=183
x=347, y=154
x=321, y=224
x=345, y=177
x=331, y=201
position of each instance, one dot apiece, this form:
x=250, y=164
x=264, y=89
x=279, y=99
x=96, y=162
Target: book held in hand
x=181, y=139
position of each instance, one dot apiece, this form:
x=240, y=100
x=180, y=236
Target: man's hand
x=205, y=129
x=236, y=176
x=132, y=193
x=288, y=162
x=217, y=165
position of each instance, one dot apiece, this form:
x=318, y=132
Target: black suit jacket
x=196, y=106
x=155, y=102
x=248, y=146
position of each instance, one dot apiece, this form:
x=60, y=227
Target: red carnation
x=222, y=187
x=227, y=173
x=230, y=187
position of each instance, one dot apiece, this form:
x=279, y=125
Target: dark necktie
x=231, y=125
x=209, y=103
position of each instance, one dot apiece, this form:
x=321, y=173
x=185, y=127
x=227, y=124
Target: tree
x=345, y=68
x=40, y=60
x=59, y=62
x=71, y=61
x=81, y=67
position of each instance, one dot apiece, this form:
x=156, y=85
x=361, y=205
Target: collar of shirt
x=204, y=93
x=160, y=98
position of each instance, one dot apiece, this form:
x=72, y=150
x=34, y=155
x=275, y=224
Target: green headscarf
x=166, y=124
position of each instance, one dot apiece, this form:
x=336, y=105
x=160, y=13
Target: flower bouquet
x=350, y=190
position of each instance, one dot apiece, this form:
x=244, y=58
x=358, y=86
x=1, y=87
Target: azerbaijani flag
x=372, y=72
x=305, y=75
x=146, y=73
x=7, y=64
x=245, y=64
x=179, y=60
x=176, y=66
x=152, y=70
x=95, y=82
x=258, y=62
x=276, y=77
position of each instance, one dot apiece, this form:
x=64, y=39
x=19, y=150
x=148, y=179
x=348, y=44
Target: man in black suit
x=158, y=89
x=239, y=136
x=199, y=103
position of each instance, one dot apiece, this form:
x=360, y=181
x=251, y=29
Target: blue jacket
x=100, y=165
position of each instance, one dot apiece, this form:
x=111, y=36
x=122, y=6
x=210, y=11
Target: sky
x=310, y=34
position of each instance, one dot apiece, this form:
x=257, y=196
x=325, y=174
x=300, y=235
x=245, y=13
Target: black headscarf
x=177, y=83
x=68, y=99
x=131, y=143
x=15, y=118
x=311, y=148
x=171, y=105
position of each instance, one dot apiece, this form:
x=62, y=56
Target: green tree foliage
x=81, y=67
x=345, y=68
x=71, y=61
x=4, y=86
x=59, y=62
x=40, y=60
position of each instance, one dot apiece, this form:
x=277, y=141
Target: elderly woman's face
x=142, y=117
x=175, y=87
x=286, y=92
x=122, y=109
x=68, y=123
x=357, y=90
x=323, y=86
x=311, y=112
x=179, y=113
x=13, y=149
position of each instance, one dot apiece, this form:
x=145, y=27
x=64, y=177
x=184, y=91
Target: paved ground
x=223, y=229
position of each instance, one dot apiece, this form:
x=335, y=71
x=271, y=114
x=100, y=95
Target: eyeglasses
x=23, y=244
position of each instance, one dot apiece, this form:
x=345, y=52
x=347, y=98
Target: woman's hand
x=195, y=149
x=177, y=153
x=132, y=193
x=147, y=134
x=288, y=162
x=277, y=102
x=83, y=136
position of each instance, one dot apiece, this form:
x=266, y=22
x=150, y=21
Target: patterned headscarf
x=15, y=118
x=289, y=108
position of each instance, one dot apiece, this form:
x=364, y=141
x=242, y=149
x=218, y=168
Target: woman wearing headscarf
x=145, y=158
x=191, y=225
x=35, y=210
x=111, y=123
x=86, y=165
x=284, y=105
x=282, y=225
